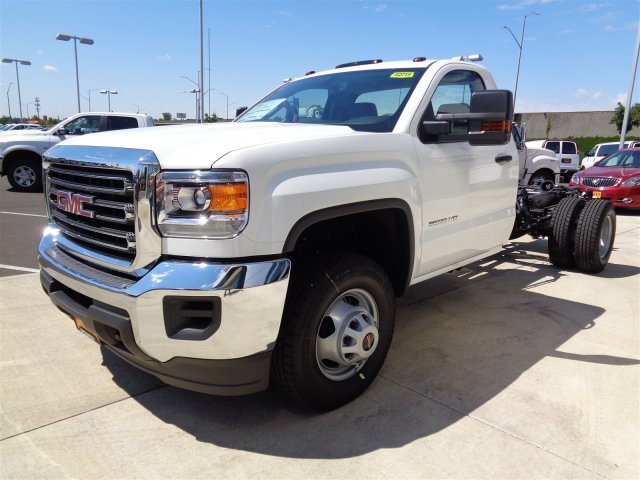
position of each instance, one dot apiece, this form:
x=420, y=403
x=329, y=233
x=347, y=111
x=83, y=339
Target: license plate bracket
x=82, y=328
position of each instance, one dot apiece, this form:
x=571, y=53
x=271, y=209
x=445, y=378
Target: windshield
x=368, y=100
x=621, y=159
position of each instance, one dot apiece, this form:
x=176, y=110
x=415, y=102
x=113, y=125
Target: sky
x=576, y=55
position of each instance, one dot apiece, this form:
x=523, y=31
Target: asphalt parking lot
x=509, y=368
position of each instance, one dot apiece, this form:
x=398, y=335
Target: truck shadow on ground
x=461, y=339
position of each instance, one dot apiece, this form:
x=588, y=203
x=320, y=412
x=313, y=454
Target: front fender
x=544, y=161
x=39, y=150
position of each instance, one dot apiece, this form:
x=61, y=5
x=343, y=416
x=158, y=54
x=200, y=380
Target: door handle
x=501, y=159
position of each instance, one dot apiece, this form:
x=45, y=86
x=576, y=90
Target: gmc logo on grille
x=74, y=203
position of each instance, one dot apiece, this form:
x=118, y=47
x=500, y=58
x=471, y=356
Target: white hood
x=536, y=152
x=200, y=146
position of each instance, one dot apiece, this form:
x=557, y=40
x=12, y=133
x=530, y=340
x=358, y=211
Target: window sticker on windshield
x=402, y=75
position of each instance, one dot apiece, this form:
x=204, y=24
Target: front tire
x=540, y=177
x=336, y=332
x=595, y=234
x=25, y=174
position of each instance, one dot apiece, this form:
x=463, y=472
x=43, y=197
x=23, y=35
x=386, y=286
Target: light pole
x=21, y=62
x=138, y=107
x=196, y=91
x=38, y=107
x=201, y=73
x=27, y=105
x=627, y=110
x=83, y=40
x=520, y=44
x=109, y=93
x=92, y=90
x=8, y=102
x=227, y=96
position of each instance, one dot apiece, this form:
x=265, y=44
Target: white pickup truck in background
x=223, y=257
x=21, y=151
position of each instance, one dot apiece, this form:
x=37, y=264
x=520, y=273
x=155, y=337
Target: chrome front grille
x=94, y=206
x=599, y=181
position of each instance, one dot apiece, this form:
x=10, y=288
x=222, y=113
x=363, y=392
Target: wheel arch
x=391, y=244
x=14, y=153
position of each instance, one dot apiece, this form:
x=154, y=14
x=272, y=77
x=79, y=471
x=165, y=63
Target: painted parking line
x=25, y=214
x=19, y=269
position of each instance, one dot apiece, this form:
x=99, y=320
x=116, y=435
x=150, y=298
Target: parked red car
x=616, y=178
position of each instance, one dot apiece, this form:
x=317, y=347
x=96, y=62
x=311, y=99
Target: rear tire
x=595, y=234
x=563, y=231
x=336, y=332
x=25, y=174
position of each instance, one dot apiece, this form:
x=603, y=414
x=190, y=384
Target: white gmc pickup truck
x=222, y=257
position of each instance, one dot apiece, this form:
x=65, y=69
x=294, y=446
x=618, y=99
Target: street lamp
x=520, y=44
x=21, y=62
x=92, y=90
x=85, y=41
x=109, y=93
x=27, y=105
x=196, y=91
x=227, y=96
x=8, y=102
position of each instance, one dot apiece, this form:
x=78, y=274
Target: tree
x=618, y=117
x=211, y=118
x=166, y=116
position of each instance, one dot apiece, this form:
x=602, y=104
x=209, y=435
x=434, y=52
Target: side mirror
x=62, y=131
x=494, y=109
x=489, y=118
x=240, y=111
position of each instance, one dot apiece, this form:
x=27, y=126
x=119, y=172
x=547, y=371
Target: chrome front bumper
x=250, y=297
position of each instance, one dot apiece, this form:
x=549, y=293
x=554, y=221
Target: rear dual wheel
x=563, y=231
x=595, y=233
x=582, y=234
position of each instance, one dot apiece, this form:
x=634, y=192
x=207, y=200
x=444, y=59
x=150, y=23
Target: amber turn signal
x=229, y=198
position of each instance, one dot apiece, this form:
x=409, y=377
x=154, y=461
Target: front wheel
x=540, y=177
x=336, y=332
x=25, y=174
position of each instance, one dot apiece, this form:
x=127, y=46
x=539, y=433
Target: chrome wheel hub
x=348, y=335
x=24, y=176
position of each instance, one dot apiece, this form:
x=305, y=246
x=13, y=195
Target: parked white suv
x=601, y=150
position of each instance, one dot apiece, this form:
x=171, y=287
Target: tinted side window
x=553, y=146
x=82, y=125
x=453, y=95
x=569, y=148
x=120, y=123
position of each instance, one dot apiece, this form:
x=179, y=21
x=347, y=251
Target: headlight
x=631, y=182
x=202, y=204
x=575, y=178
